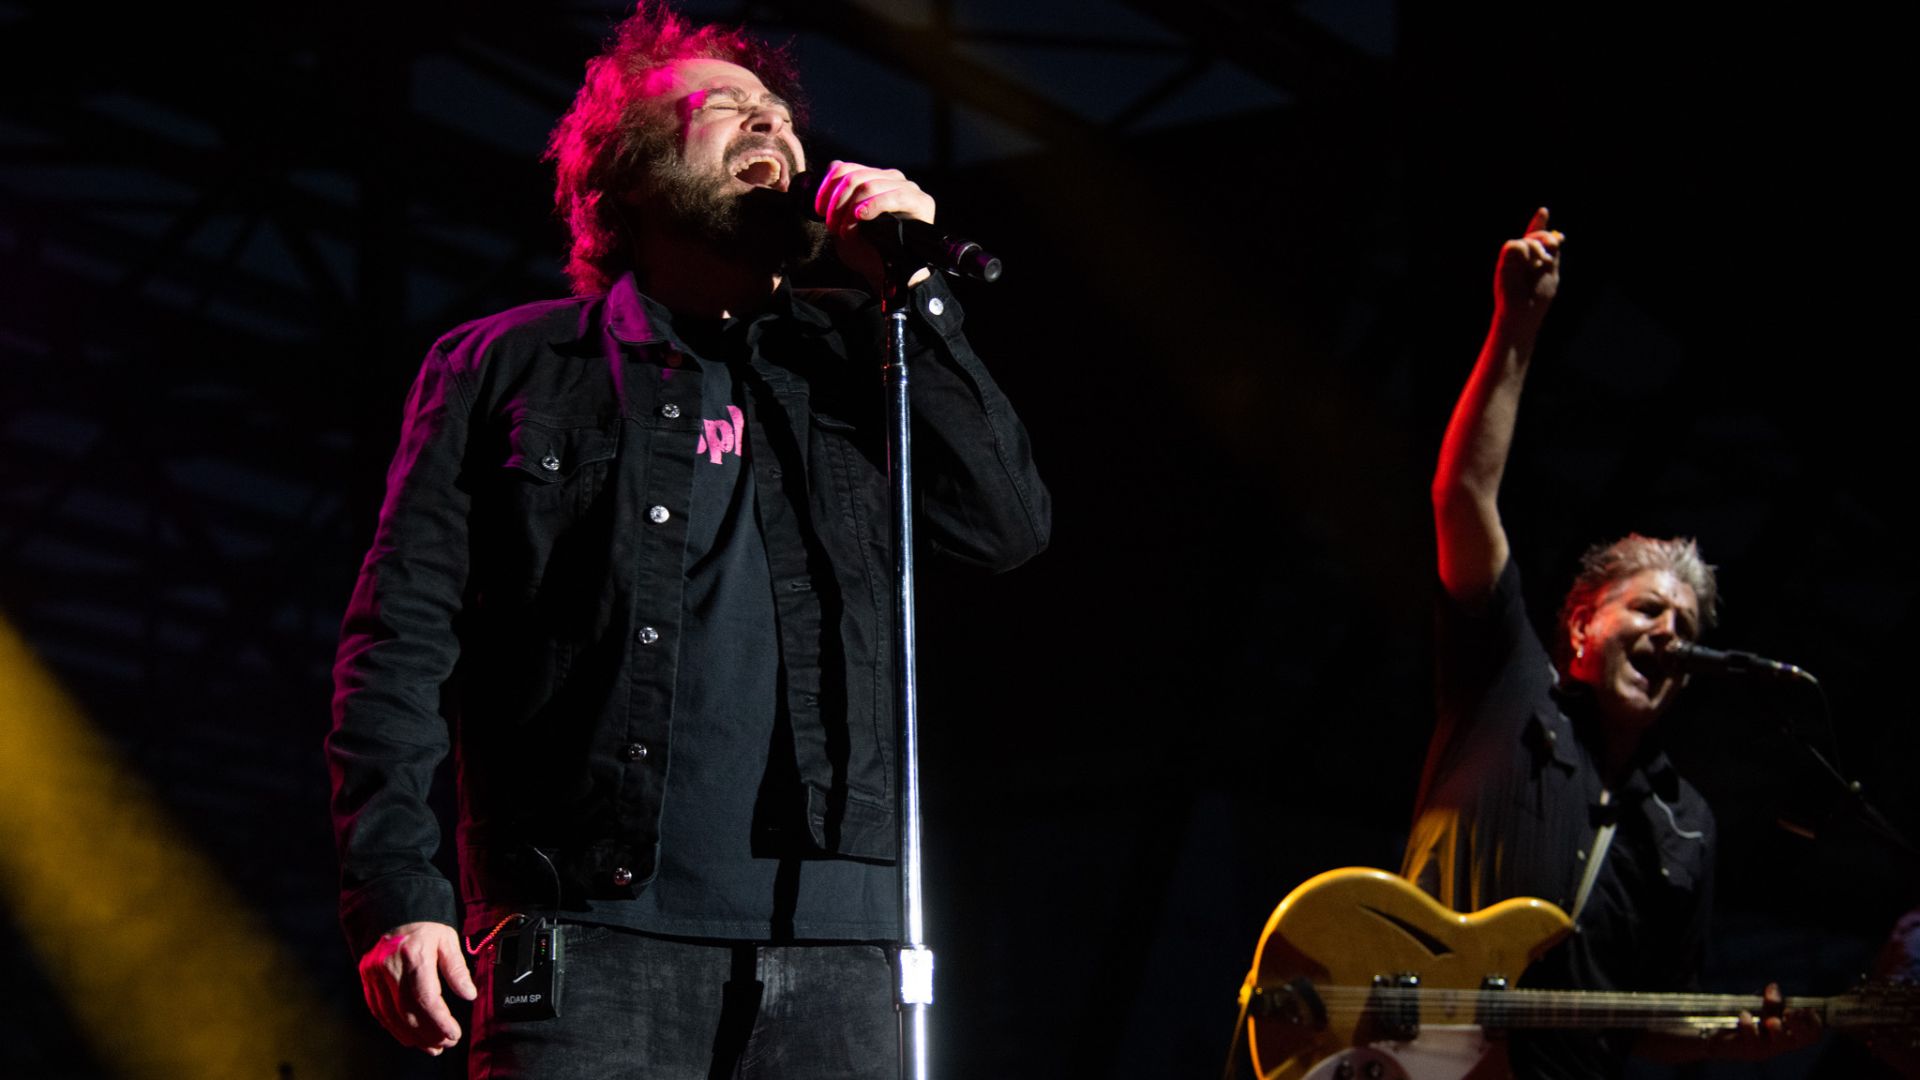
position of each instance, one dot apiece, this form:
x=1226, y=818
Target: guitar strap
x=1602, y=840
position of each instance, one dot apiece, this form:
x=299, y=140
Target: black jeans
x=638, y=1007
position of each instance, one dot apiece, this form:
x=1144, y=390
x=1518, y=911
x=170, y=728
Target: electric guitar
x=1361, y=976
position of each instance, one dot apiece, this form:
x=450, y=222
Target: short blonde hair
x=1604, y=564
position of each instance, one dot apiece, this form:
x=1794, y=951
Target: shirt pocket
x=1682, y=841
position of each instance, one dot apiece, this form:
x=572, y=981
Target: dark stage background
x=1248, y=248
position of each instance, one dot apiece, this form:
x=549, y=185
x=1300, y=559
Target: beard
x=761, y=228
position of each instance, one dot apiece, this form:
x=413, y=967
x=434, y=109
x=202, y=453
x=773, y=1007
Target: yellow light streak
x=160, y=964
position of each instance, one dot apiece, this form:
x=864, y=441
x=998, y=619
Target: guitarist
x=1545, y=775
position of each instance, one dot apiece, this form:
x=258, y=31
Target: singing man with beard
x=633, y=567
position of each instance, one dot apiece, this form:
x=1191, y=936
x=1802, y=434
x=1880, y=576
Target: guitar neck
x=1586, y=1009
x=1592, y=1010
x=1408, y=1007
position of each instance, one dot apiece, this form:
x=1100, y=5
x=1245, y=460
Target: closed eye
x=731, y=99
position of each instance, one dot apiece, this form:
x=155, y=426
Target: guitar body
x=1361, y=976
x=1331, y=937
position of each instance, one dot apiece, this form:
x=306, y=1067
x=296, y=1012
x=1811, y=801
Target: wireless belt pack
x=527, y=964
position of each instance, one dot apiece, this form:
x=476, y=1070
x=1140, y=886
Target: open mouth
x=762, y=170
x=1649, y=665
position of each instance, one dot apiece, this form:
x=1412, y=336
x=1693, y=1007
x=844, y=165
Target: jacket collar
x=638, y=319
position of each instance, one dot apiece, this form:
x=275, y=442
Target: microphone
x=1685, y=657
x=900, y=237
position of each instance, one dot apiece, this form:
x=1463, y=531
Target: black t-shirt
x=731, y=756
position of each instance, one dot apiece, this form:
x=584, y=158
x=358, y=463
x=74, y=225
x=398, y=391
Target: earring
x=1579, y=652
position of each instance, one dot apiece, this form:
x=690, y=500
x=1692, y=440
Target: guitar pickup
x=1492, y=1013
x=1395, y=1006
x=1295, y=1003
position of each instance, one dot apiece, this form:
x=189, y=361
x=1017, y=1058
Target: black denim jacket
x=524, y=586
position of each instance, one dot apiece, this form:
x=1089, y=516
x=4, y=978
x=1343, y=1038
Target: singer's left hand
x=850, y=194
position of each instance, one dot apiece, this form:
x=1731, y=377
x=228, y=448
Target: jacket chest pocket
x=554, y=467
x=548, y=490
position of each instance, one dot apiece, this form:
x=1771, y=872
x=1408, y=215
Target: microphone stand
x=907, y=247
x=913, y=968
x=1851, y=791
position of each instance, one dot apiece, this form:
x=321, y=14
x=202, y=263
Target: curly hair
x=610, y=136
x=1604, y=564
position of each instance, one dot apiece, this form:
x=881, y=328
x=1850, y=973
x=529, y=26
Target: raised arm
x=1473, y=456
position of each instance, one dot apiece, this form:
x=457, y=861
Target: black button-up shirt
x=526, y=578
x=1510, y=805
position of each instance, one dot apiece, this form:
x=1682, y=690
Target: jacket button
x=622, y=876
x=647, y=635
x=636, y=752
x=936, y=306
x=658, y=514
x=551, y=463
x=670, y=411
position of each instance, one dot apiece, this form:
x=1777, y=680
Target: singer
x=633, y=565
x=1545, y=775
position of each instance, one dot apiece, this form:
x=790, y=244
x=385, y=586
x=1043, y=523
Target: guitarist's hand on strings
x=1776, y=1030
